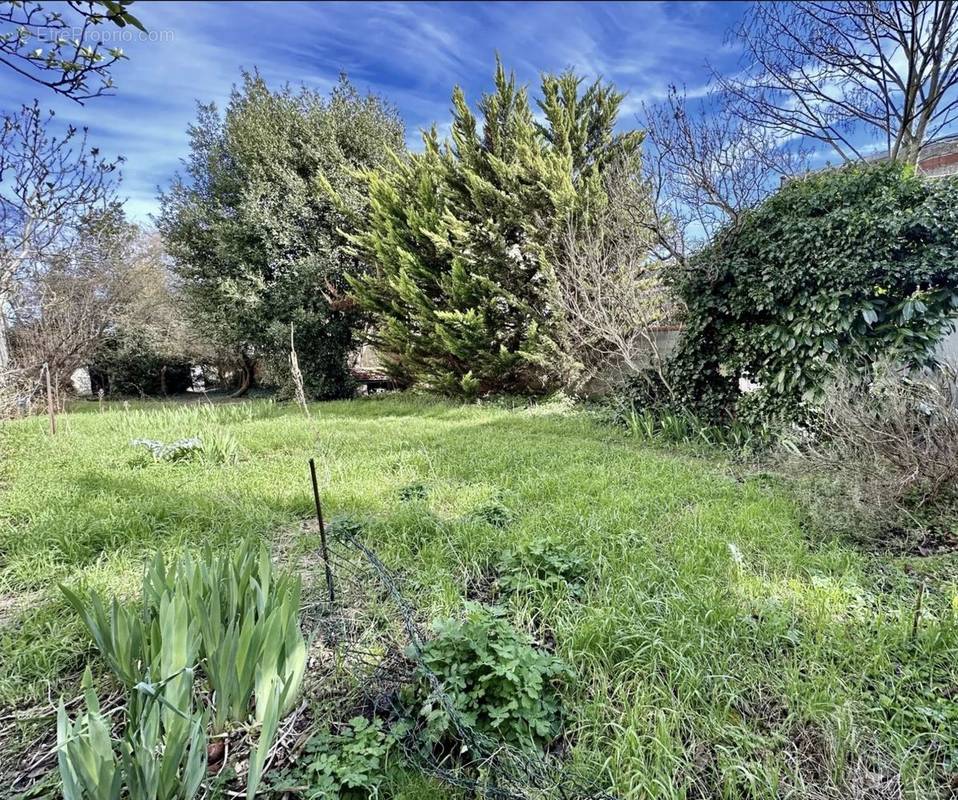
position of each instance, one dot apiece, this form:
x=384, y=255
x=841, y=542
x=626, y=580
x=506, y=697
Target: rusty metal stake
x=322, y=532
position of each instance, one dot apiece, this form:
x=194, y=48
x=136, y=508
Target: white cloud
x=413, y=53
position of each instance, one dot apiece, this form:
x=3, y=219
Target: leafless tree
x=143, y=316
x=833, y=71
x=58, y=48
x=705, y=167
x=48, y=185
x=156, y=312
x=65, y=303
x=611, y=285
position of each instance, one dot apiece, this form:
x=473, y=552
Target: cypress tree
x=462, y=236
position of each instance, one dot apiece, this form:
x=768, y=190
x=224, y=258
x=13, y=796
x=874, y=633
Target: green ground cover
x=720, y=649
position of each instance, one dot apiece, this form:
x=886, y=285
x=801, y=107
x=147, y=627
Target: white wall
x=947, y=349
x=81, y=382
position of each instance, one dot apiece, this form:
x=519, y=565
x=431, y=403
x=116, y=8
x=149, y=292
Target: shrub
x=842, y=267
x=893, y=437
x=493, y=513
x=646, y=389
x=498, y=683
x=127, y=364
x=215, y=448
x=413, y=491
x=612, y=292
x=542, y=564
x=179, y=450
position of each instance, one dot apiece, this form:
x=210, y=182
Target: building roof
x=939, y=156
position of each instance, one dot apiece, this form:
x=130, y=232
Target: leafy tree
x=463, y=236
x=254, y=226
x=843, y=267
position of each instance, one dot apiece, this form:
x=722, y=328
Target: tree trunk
x=244, y=384
x=910, y=149
x=247, y=381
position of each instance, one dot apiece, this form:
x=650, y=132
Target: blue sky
x=412, y=53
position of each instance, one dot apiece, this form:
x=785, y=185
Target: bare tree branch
x=835, y=71
x=611, y=285
x=48, y=186
x=705, y=167
x=61, y=51
x=65, y=303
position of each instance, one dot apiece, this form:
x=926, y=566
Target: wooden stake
x=50, y=408
x=917, y=618
x=296, y=373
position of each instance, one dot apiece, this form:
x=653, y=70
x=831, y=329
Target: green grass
x=719, y=649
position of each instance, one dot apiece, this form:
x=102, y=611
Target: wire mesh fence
x=374, y=636
x=365, y=660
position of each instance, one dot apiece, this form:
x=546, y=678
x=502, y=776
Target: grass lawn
x=720, y=650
